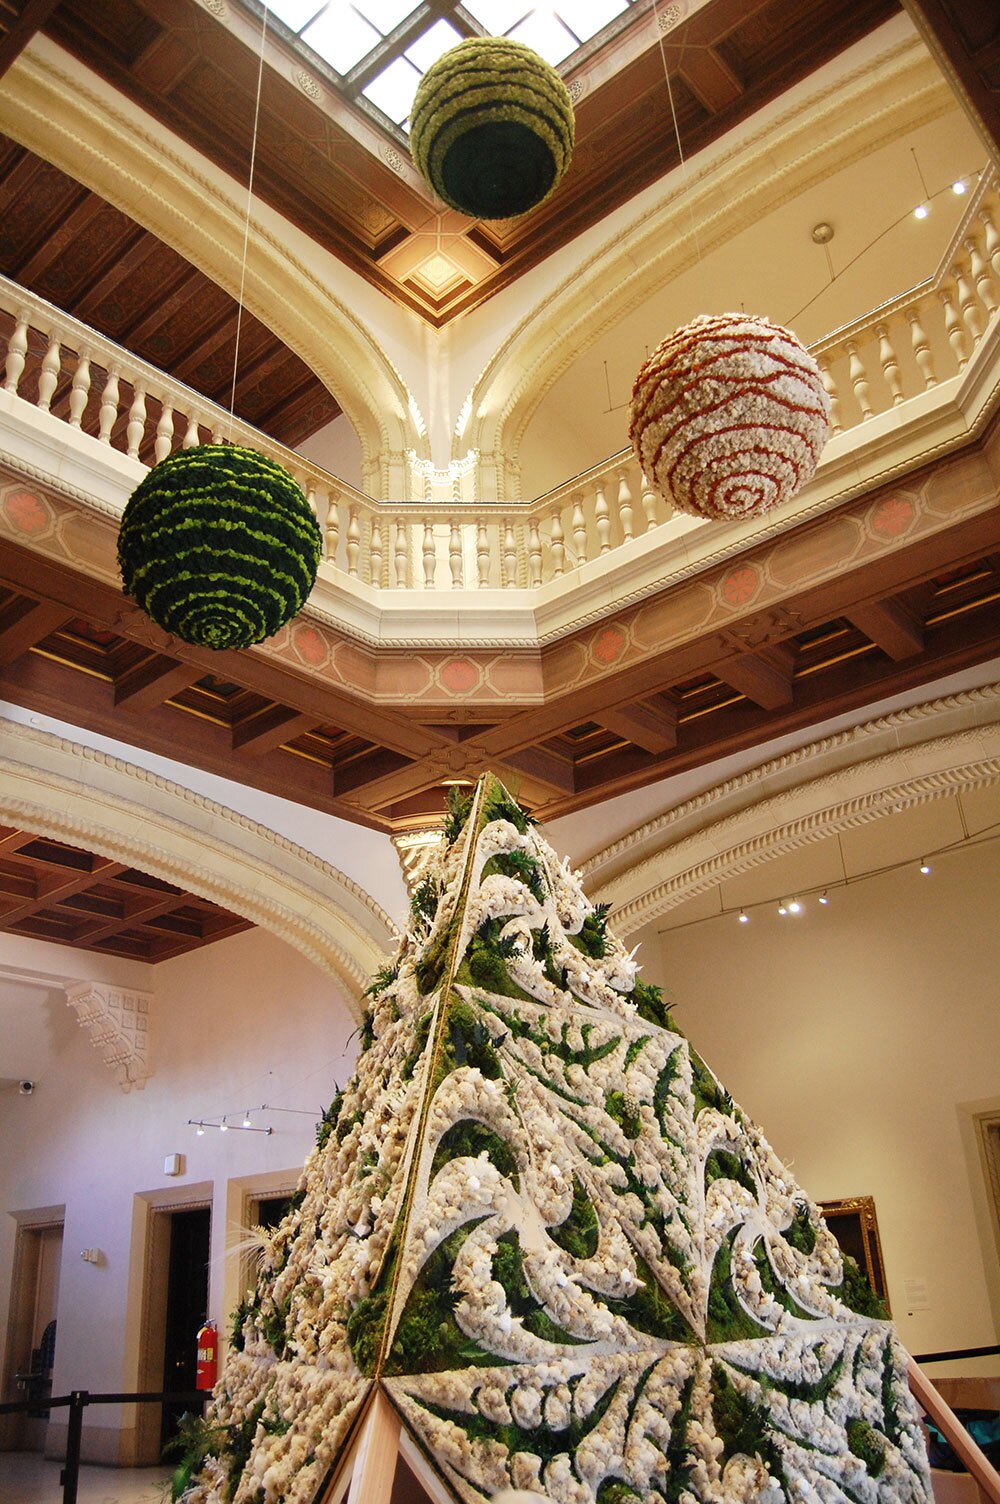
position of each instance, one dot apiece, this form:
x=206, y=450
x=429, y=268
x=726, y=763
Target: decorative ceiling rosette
x=219, y=546
x=729, y=416
x=491, y=129
x=539, y=1223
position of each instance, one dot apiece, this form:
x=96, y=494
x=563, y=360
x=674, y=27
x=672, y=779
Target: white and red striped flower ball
x=729, y=416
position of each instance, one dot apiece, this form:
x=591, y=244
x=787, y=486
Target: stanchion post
x=70, y=1475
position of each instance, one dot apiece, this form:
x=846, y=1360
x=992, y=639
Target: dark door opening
x=187, y=1305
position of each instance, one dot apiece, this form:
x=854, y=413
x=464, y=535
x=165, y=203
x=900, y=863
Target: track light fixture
x=925, y=865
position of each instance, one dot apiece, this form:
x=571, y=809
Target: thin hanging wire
x=246, y=222
x=677, y=129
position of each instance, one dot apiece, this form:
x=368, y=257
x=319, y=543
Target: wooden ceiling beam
x=130, y=918
x=152, y=682
x=30, y=21
x=765, y=678
x=894, y=629
x=270, y=730
x=650, y=727
x=33, y=625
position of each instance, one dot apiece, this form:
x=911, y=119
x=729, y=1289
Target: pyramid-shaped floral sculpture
x=539, y=1222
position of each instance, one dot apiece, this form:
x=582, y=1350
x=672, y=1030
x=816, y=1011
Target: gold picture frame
x=855, y=1226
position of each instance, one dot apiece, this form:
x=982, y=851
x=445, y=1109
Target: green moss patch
x=427, y=1338
x=866, y=1444
x=470, y=1137
x=580, y=1233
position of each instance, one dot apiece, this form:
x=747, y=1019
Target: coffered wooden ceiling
x=71, y=247
x=352, y=190
x=51, y=891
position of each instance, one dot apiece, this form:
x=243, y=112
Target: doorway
x=187, y=1307
x=31, y=1337
x=172, y=1231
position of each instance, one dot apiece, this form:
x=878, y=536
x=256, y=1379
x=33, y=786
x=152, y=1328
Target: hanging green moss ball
x=491, y=129
x=218, y=545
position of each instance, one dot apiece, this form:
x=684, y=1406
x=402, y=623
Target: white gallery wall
x=862, y=1037
x=242, y=1022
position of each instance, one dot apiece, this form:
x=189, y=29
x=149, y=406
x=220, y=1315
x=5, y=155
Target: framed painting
x=855, y=1226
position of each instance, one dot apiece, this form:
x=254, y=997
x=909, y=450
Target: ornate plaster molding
x=910, y=757
x=740, y=182
x=60, y=788
x=117, y=1020
x=58, y=109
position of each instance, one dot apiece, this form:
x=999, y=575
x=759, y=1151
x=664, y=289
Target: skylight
x=381, y=48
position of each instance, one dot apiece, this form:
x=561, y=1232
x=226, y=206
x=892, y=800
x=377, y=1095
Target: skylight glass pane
x=393, y=89
x=340, y=36
x=587, y=17
x=498, y=16
x=295, y=13
x=432, y=44
x=546, y=35
x=385, y=14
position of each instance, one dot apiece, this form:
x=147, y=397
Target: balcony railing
x=912, y=349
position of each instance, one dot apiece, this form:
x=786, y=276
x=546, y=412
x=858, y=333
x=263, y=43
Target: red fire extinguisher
x=208, y=1356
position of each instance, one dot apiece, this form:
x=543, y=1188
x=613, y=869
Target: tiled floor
x=26, y=1478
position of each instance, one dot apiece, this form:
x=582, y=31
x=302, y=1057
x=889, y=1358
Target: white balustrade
x=901, y=350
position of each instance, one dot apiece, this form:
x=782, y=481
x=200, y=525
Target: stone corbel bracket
x=118, y=1023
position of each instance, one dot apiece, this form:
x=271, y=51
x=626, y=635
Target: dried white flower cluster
x=729, y=416
x=537, y=1219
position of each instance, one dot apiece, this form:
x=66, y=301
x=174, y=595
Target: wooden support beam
x=651, y=727
x=890, y=626
x=31, y=626
x=31, y=19
x=539, y=765
x=378, y=1448
x=765, y=678
x=152, y=681
x=272, y=728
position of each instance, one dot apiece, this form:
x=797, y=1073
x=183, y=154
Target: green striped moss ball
x=491, y=128
x=218, y=545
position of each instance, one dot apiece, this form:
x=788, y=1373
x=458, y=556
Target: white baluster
x=321, y=510
x=830, y=387
x=859, y=381
x=49, y=377
x=80, y=389
x=375, y=555
x=310, y=490
x=985, y=286
x=482, y=554
x=353, y=542
x=968, y=304
x=603, y=517
x=429, y=554
x=455, y=554
x=625, y=504
x=331, y=533
x=17, y=351
x=992, y=243
x=109, y=406
x=558, y=538
x=509, y=556
x=649, y=504
x=217, y=433
x=534, y=553
x=164, y=433
x=192, y=438
x=889, y=364
x=921, y=349
x=401, y=555
x=579, y=527
x=136, y=421
x=953, y=324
